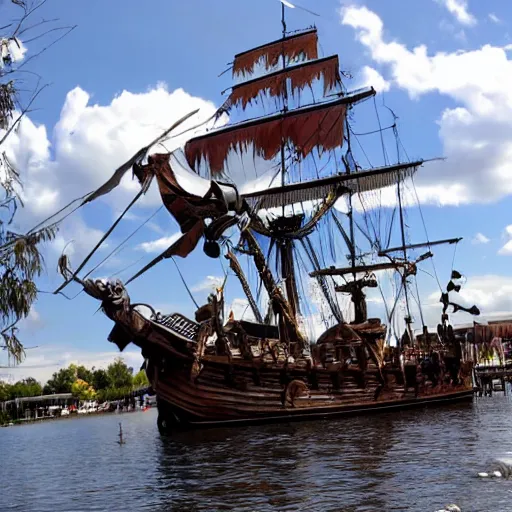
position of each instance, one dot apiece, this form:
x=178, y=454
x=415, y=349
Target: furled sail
x=303, y=45
x=318, y=189
x=320, y=125
x=275, y=83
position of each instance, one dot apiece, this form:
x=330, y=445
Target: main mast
x=408, y=319
x=285, y=245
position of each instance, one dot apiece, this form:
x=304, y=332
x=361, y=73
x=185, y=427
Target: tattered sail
x=320, y=126
x=185, y=207
x=275, y=84
x=303, y=45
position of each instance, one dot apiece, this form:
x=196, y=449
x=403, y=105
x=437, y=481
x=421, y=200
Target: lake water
x=411, y=461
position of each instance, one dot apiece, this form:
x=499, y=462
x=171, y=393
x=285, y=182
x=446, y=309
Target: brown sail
x=275, y=84
x=318, y=126
x=293, y=47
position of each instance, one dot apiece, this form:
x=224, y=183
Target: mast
x=285, y=245
x=408, y=319
x=356, y=287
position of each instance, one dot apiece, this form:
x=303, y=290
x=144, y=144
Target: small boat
x=289, y=223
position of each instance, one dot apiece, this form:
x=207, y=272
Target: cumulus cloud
x=370, y=77
x=475, y=133
x=42, y=362
x=491, y=293
x=210, y=284
x=88, y=143
x=480, y=238
x=241, y=309
x=506, y=250
x=459, y=9
x=160, y=244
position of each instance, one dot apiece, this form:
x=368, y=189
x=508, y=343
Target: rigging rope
x=184, y=283
x=122, y=243
x=39, y=226
x=419, y=302
x=125, y=268
x=426, y=233
x=103, y=238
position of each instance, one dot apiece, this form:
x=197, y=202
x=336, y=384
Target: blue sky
x=441, y=65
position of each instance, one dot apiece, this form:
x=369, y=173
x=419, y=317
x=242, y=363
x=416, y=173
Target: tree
x=25, y=387
x=61, y=381
x=81, y=372
x=140, y=380
x=100, y=379
x=20, y=260
x=119, y=374
x=5, y=390
x=83, y=390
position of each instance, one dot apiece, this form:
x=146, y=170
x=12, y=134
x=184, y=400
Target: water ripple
x=409, y=461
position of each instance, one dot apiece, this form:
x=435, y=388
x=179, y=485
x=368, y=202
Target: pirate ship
x=213, y=370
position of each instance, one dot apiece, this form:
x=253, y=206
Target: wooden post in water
x=121, y=441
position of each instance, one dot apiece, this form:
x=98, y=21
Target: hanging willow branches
x=21, y=261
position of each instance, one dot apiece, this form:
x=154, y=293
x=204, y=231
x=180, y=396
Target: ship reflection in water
x=411, y=461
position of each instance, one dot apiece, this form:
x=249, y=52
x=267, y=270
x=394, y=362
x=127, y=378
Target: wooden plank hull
x=175, y=417
x=208, y=401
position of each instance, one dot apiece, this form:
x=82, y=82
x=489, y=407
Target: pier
x=34, y=408
x=492, y=378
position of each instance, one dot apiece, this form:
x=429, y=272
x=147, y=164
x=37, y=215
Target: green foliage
x=4, y=418
x=86, y=384
x=113, y=393
x=81, y=372
x=140, y=380
x=4, y=391
x=100, y=379
x=119, y=375
x=61, y=381
x=22, y=388
x=83, y=390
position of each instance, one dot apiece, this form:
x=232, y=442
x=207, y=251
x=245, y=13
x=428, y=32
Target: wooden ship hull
x=258, y=397
x=253, y=384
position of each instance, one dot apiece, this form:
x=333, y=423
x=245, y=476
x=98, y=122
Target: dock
x=492, y=378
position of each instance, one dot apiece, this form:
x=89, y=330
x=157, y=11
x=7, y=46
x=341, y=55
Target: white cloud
x=241, y=309
x=459, y=9
x=210, y=284
x=88, y=143
x=42, y=362
x=494, y=18
x=32, y=321
x=480, y=238
x=492, y=294
x=476, y=133
x=370, y=77
x=16, y=49
x=160, y=244
x=506, y=250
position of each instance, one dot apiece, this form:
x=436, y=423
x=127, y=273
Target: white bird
x=450, y=508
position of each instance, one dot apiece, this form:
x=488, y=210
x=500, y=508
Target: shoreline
x=17, y=423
